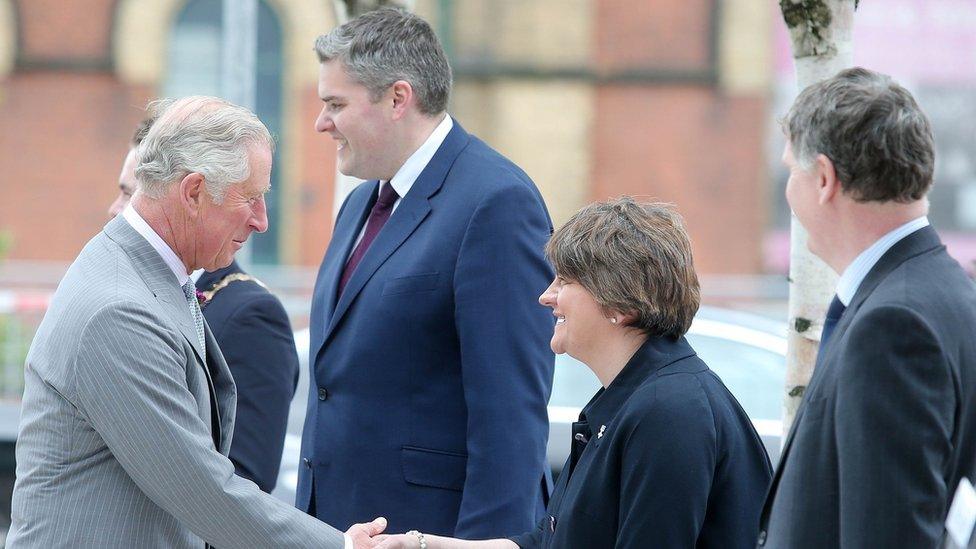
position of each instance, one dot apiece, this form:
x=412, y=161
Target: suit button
x=323, y=393
x=307, y=462
x=762, y=537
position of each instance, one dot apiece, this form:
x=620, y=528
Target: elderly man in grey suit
x=128, y=404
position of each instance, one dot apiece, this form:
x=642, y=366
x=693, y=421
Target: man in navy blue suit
x=886, y=432
x=430, y=364
x=254, y=334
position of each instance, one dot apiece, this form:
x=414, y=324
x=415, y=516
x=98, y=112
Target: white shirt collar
x=408, y=173
x=157, y=243
x=854, y=274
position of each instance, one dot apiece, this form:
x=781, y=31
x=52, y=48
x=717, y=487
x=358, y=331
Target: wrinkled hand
x=362, y=534
x=399, y=541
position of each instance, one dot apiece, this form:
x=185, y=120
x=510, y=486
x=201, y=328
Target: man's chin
x=220, y=263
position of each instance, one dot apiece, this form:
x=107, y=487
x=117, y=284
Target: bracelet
x=420, y=538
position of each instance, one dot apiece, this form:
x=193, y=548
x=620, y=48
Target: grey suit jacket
x=116, y=446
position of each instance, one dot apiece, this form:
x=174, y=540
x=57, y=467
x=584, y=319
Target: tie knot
x=388, y=196
x=836, y=308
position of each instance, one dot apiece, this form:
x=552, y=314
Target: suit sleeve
x=259, y=347
x=667, y=465
x=506, y=363
x=130, y=384
x=894, y=413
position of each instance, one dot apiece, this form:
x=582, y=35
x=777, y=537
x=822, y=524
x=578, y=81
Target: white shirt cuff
x=348, y=544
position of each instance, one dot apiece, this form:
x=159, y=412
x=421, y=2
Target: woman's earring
x=613, y=320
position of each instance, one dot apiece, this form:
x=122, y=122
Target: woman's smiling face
x=580, y=320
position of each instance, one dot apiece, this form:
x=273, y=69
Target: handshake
x=370, y=534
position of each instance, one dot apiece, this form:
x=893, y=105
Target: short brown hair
x=633, y=258
x=873, y=131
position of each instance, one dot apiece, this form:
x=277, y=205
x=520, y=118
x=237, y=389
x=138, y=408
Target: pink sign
x=930, y=41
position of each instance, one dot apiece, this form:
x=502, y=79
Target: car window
x=754, y=375
x=573, y=384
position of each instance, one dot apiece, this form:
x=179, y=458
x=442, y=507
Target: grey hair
x=199, y=134
x=153, y=110
x=633, y=258
x=389, y=44
x=872, y=130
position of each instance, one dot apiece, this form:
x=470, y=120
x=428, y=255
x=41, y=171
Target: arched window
x=193, y=68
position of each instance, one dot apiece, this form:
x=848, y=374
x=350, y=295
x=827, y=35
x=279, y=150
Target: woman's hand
x=412, y=541
x=398, y=541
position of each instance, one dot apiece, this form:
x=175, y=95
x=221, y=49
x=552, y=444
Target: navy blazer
x=664, y=457
x=255, y=337
x=431, y=373
x=887, y=425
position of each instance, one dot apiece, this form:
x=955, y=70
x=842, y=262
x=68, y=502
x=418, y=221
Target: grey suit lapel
x=157, y=276
x=224, y=389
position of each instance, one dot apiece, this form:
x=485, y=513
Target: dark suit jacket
x=430, y=375
x=888, y=422
x=670, y=460
x=255, y=337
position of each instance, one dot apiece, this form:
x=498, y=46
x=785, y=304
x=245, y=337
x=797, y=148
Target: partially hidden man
x=430, y=368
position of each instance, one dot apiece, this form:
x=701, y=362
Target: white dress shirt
x=854, y=274
x=157, y=243
x=408, y=173
x=177, y=266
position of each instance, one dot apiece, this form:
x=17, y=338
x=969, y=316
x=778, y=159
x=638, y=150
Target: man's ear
x=192, y=190
x=403, y=96
x=828, y=186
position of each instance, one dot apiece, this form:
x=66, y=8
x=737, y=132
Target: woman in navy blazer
x=663, y=456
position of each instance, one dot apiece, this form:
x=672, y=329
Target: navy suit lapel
x=409, y=214
x=323, y=302
x=918, y=242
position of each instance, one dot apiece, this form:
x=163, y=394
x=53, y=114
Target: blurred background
x=676, y=100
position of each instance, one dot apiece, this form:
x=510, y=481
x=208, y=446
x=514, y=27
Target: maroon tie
x=377, y=218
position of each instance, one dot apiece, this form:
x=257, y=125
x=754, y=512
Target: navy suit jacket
x=888, y=422
x=431, y=373
x=255, y=337
x=662, y=458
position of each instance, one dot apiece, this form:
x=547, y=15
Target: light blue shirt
x=854, y=274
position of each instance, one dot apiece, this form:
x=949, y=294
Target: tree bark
x=821, y=35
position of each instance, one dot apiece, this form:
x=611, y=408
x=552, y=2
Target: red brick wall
x=63, y=141
x=678, y=142
x=692, y=147
x=317, y=184
x=660, y=34
x=65, y=30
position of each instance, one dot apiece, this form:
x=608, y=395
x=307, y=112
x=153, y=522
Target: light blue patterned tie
x=190, y=291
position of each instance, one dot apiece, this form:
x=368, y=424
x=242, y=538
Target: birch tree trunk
x=821, y=35
x=345, y=10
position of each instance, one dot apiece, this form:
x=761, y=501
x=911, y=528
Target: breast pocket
x=411, y=284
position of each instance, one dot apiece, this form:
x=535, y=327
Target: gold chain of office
x=224, y=282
